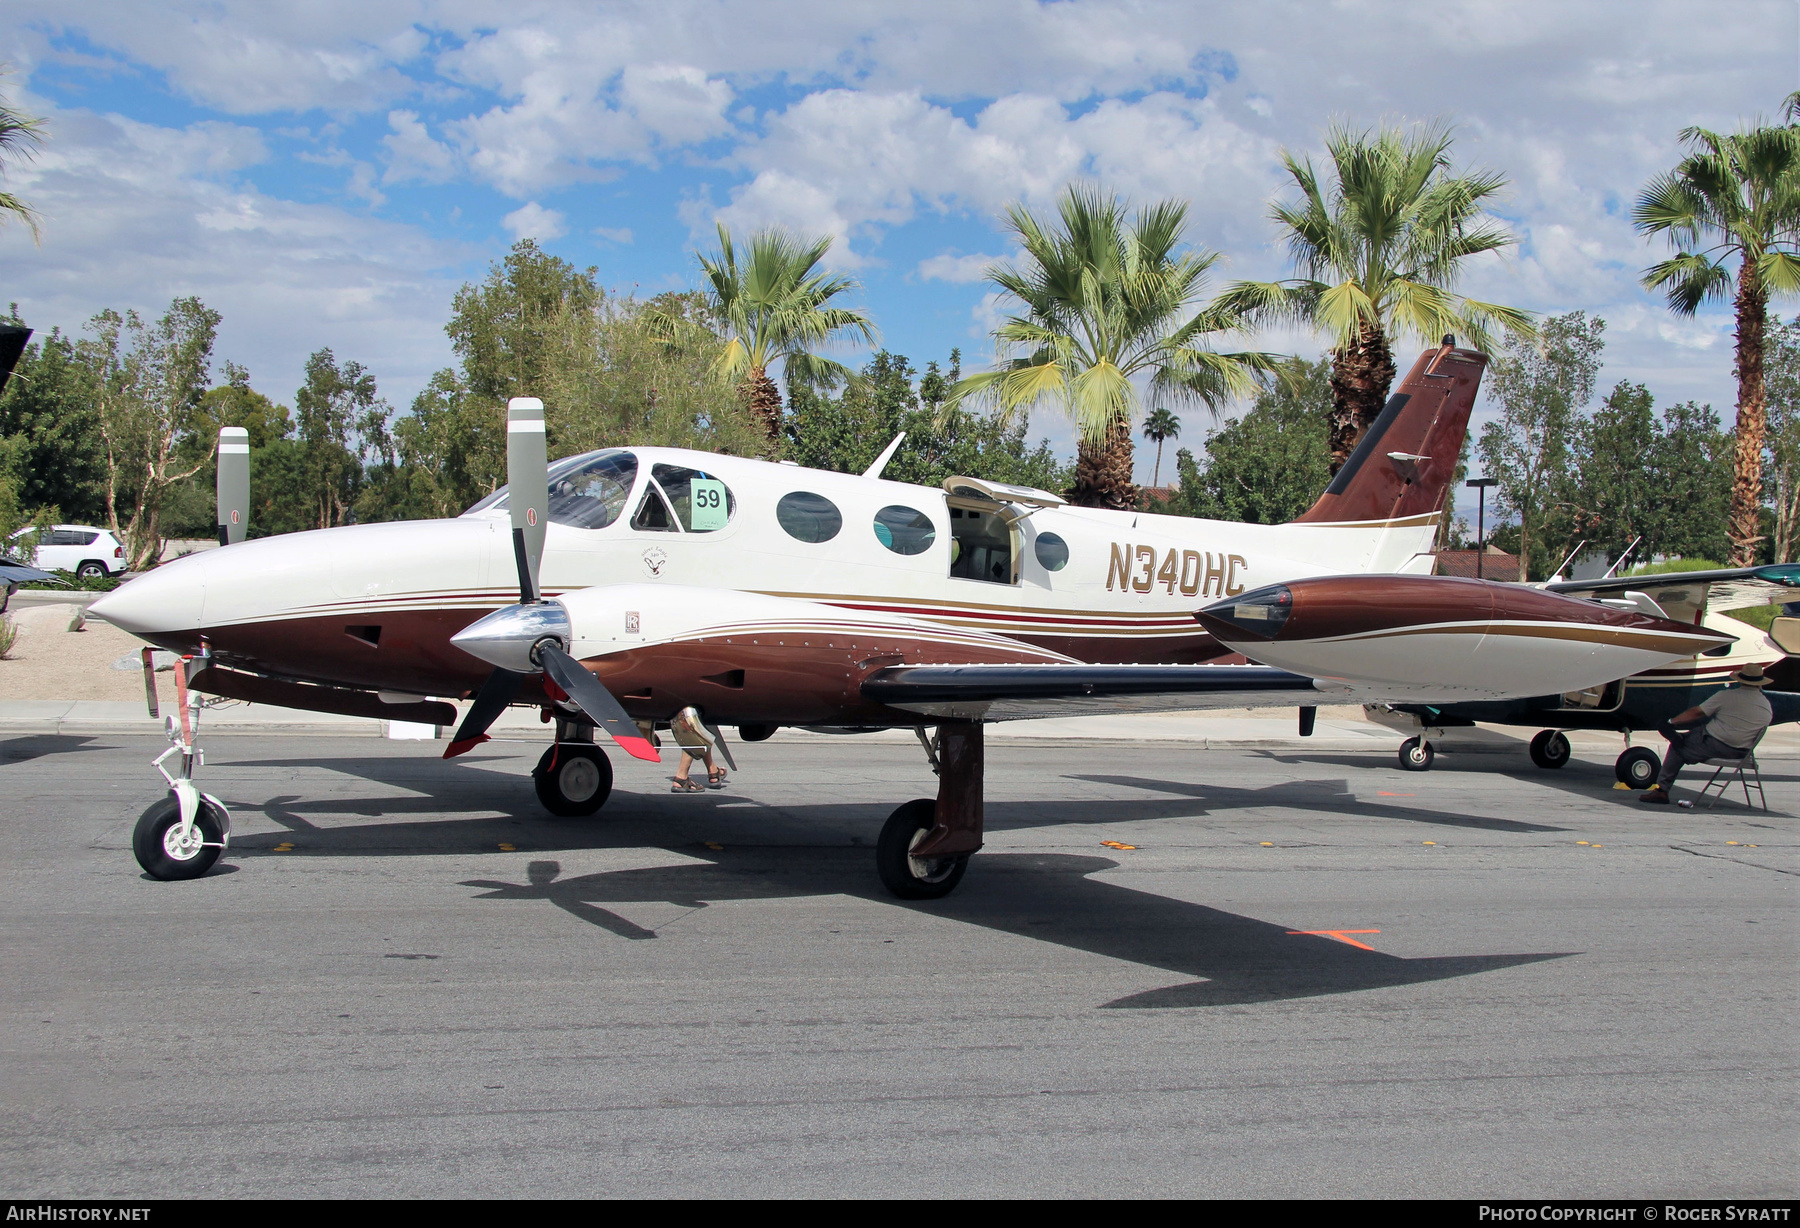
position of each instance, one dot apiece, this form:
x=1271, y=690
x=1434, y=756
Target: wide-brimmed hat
x=1751, y=675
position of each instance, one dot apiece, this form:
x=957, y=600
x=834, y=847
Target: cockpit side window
x=701, y=502
x=586, y=492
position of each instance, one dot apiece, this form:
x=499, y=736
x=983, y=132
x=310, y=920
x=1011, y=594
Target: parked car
x=81, y=548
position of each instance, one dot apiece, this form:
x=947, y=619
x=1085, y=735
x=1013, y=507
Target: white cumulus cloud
x=532, y=221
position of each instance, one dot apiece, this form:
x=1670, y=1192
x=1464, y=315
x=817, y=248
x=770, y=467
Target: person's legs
x=682, y=783
x=1691, y=747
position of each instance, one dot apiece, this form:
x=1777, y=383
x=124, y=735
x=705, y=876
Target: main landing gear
x=1636, y=767
x=574, y=777
x=925, y=845
x=1550, y=749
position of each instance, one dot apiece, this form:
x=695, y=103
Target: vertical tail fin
x=1404, y=465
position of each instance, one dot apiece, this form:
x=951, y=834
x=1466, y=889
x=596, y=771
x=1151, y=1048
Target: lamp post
x=1481, y=484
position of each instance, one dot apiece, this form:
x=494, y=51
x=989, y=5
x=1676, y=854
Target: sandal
x=715, y=779
x=684, y=785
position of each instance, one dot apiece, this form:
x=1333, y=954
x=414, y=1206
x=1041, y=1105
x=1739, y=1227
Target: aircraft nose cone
x=506, y=637
x=168, y=599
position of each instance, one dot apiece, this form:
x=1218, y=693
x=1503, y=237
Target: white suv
x=81, y=548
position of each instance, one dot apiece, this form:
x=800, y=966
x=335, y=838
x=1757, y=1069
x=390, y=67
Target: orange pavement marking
x=1385, y=793
x=1114, y=844
x=1339, y=935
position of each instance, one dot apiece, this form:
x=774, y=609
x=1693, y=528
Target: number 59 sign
x=709, y=507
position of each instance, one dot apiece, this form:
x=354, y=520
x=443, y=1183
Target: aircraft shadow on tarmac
x=1585, y=778
x=1048, y=897
x=37, y=745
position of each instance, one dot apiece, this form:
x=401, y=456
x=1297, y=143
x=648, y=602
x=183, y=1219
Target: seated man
x=1729, y=723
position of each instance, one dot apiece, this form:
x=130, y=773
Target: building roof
x=1496, y=564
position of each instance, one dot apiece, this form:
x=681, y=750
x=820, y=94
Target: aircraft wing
x=1026, y=692
x=1683, y=592
x=19, y=573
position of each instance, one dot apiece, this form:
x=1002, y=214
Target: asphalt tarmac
x=405, y=980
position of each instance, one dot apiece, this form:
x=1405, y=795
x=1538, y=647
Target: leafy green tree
x=1692, y=472
x=236, y=403
x=1734, y=199
x=147, y=380
x=1109, y=298
x=848, y=432
x=20, y=136
x=1268, y=466
x=1614, y=500
x=1379, y=248
x=1782, y=476
x=1161, y=425
x=48, y=410
x=1542, y=386
x=336, y=410
x=775, y=307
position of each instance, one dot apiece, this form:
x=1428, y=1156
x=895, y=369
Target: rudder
x=1403, y=467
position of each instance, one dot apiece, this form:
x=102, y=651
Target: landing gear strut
x=574, y=778
x=925, y=845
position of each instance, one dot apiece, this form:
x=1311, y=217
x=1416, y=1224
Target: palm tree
x=774, y=308
x=1378, y=250
x=20, y=136
x=1160, y=425
x=1108, y=301
x=1733, y=198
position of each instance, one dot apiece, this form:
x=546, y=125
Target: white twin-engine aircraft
x=626, y=589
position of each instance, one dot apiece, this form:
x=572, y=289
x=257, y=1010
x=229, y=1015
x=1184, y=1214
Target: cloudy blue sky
x=328, y=173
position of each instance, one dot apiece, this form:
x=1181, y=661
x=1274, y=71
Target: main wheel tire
x=91, y=570
x=157, y=842
x=1416, y=755
x=573, y=779
x=909, y=877
x=1550, y=749
x=1638, y=767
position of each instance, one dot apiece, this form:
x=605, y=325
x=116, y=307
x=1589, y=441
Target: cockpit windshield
x=586, y=491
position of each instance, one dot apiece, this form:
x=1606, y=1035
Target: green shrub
x=69, y=580
x=9, y=635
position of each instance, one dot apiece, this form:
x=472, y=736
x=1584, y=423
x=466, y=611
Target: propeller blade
x=528, y=488
x=495, y=694
x=234, y=484
x=595, y=700
x=719, y=741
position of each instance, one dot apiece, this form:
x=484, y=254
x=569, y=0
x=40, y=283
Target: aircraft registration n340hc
x=623, y=589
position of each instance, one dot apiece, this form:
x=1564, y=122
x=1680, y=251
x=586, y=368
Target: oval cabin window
x=807, y=517
x=904, y=530
x=1052, y=551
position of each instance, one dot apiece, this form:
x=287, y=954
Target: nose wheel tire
x=1637, y=767
x=1416, y=755
x=165, y=853
x=573, y=779
x=909, y=877
x=1550, y=749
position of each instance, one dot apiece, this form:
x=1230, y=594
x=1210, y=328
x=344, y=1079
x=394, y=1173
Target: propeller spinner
x=534, y=636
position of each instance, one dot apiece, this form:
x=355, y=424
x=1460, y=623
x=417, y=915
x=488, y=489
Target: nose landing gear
x=182, y=835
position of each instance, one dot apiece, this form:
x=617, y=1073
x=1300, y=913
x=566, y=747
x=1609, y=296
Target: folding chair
x=1733, y=769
